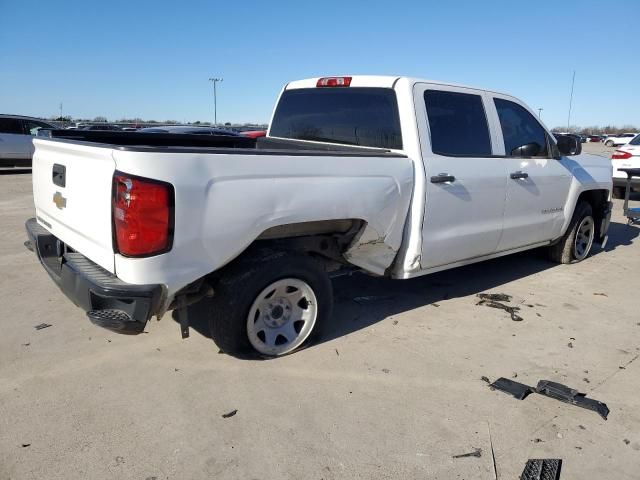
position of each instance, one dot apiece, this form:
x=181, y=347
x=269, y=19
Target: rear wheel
x=575, y=245
x=272, y=304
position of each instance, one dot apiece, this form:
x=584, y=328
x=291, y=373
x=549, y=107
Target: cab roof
x=380, y=81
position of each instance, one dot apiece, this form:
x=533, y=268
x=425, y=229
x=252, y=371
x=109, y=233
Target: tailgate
x=72, y=196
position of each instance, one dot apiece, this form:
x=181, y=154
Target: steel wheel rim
x=282, y=316
x=584, y=238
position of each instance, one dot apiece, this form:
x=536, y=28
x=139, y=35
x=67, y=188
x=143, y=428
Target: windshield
x=351, y=116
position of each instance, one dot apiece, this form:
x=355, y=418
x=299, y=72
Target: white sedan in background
x=627, y=156
x=16, y=139
x=621, y=139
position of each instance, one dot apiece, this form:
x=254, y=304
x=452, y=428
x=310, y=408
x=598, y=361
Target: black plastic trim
x=91, y=287
x=318, y=150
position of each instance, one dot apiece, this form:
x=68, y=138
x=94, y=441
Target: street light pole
x=573, y=81
x=215, y=99
x=539, y=111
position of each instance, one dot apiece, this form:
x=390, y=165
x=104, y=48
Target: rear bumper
x=108, y=301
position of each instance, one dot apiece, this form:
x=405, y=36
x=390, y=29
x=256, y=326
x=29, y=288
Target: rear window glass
x=635, y=141
x=351, y=116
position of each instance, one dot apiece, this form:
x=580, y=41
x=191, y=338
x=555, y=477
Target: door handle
x=517, y=175
x=443, y=178
x=59, y=175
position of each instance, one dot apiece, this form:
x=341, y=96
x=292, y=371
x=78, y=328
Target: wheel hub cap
x=282, y=316
x=584, y=238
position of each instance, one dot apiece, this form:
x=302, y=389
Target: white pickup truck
x=396, y=176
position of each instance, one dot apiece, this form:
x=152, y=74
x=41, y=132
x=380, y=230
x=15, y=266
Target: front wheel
x=575, y=245
x=272, y=303
x=609, y=143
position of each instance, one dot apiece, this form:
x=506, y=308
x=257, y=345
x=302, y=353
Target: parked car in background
x=16, y=139
x=189, y=130
x=104, y=127
x=594, y=138
x=620, y=139
x=627, y=156
x=254, y=133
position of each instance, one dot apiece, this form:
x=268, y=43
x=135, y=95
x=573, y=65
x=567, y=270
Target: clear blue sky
x=152, y=59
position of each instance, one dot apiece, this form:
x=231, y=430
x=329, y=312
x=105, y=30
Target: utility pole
x=573, y=81
x=61, y=119
x=215, y=99
x=539, y=111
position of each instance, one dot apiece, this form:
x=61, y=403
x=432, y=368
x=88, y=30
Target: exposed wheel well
x=324, y=238
x=599, y=201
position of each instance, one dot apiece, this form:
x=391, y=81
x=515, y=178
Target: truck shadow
x=361, y=301
x=14, y=171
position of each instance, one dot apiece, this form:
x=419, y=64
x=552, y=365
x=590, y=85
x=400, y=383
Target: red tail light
x=620, y=155
x=334, y=82
x=142, y=215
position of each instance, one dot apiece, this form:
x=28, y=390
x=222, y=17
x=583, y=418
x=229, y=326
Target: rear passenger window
x=457, y=123
x=520, y=128
x=10, y=125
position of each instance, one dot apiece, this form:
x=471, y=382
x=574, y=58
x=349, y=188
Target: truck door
x=538, y=184
x=466, y=183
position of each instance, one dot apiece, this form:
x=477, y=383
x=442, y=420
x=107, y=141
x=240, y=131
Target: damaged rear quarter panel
x=225, y=201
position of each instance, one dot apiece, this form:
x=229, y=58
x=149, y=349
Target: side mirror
x=568, y=145
x=527, y=150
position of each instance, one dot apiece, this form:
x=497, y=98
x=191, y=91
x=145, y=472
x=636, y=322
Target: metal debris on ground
x=372, y=298
x=601, y=294
x=553, y=390
x=495, y=297
x=493, y=300
x=542, y=469
x=25, y=445
x=477, y=452
x=42, y=325
x=230, y=414
x=485, y=379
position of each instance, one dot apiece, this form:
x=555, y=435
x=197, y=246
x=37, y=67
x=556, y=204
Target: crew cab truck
x=395, y=176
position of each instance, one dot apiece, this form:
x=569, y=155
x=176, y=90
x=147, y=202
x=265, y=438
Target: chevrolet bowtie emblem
x=59, y=200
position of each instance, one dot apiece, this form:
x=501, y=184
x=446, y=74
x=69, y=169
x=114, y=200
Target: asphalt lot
x=393, y=391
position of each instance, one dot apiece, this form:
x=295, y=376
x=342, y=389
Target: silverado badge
x=59, y=200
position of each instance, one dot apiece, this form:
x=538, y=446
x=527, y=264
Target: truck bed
x=184, y=143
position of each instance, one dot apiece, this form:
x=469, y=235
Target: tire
x=262, y=288
x=608, y=144
x=575, y=245
x=618, y=192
